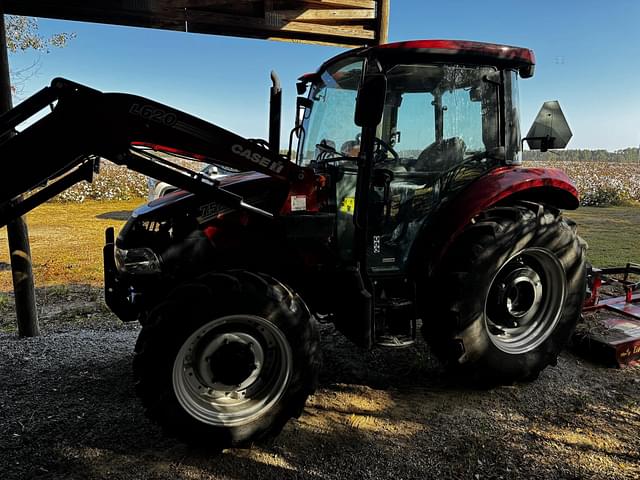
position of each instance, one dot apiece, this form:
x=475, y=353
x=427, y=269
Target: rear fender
x=548, y=186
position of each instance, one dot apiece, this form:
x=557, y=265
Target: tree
x=23, y=35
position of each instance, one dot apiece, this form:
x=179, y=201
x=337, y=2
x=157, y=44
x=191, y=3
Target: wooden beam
x=276, y=23
x=344, y=3
x=354, y=31
x=322, y=14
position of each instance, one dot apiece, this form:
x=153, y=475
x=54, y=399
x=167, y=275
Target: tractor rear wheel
x=227, y=359
x=508, y=295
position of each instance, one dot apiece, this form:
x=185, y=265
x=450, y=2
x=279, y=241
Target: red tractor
x=403, y=206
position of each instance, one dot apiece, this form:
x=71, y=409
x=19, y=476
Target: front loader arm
x=86, y=124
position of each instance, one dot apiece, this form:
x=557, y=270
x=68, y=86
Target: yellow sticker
x=348, y=205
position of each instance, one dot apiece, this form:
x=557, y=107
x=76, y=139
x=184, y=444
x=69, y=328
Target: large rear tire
x=507, y=295
x=227, y=359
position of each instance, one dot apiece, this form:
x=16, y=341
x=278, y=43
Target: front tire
x=227, y=360
x=508, y=294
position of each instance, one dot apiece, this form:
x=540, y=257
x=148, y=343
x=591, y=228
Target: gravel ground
x=68, y=411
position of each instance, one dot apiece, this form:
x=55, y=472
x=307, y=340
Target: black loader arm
x=85, y=124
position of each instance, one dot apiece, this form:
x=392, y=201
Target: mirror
x=302, y=104
x=370, y=100
x=550, y=128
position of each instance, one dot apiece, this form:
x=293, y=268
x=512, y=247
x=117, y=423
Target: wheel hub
x=232, y=363
x=518, y=297
x=232, y=370
x=525, y=300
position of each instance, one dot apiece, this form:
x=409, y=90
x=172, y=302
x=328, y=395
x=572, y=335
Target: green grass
x=613, y=234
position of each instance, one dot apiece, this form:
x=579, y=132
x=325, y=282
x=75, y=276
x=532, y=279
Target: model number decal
x=208, y=211
x=149, y=112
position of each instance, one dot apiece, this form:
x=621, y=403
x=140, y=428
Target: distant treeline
x=621, y=156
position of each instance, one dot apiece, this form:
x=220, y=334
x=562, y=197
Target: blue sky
x=588, y=57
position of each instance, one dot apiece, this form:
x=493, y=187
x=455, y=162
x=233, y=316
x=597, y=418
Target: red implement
x=610, y=331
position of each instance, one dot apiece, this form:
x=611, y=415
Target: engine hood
x=256, y=188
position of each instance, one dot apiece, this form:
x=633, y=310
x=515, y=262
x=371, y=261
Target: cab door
x=331, y=145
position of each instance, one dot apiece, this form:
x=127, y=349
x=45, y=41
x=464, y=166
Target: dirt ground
x=68, y=411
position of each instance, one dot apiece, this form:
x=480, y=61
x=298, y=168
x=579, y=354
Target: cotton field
x=112, y=183
x=599, y=183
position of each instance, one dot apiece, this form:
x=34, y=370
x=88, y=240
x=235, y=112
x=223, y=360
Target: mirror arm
x=300, y=134
x=544, y=142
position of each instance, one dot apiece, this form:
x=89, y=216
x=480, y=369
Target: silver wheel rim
x=525, y=301
x=232, y=370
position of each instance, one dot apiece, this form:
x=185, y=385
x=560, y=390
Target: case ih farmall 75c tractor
x=404, y=205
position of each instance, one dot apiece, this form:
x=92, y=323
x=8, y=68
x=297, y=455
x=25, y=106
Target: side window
x=461, y=118
x=415, y=124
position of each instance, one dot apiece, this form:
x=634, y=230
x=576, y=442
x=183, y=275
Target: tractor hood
x=256, y=188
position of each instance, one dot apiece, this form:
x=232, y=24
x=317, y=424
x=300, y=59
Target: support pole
x=17, y=232
x=383, y=21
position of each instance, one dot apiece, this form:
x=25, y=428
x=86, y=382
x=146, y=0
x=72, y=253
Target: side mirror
x=301, y=88
x=370, y=100
x=302, y=104
x=550, y=129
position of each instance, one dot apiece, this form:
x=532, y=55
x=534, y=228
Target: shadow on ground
x=68, y=410
x=115, y=215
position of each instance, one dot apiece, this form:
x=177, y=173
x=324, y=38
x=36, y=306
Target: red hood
x=226, y=181
x=247, y=184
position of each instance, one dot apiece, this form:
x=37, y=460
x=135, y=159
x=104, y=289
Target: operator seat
x=441, y=156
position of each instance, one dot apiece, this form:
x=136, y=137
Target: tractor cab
x=449, y=114
x=400, y=130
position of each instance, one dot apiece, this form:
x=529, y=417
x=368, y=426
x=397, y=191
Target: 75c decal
x=149, y=112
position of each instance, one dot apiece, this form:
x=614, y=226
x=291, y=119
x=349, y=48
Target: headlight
x=140, y=261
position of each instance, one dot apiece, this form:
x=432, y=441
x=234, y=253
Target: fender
x=549, y=186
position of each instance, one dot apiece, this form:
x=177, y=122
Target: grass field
x=613, y=233
x=67, y=239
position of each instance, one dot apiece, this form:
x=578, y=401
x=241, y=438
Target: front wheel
x=227, y=359
x=508, y=294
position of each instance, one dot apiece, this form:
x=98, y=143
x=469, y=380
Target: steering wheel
x=380, y=150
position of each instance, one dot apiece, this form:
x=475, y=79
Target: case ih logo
x=272, y=165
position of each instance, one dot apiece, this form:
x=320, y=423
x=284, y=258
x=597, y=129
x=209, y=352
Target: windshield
x=435, y=116
x=328, y=124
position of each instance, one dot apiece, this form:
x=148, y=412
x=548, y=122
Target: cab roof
x=445, y=51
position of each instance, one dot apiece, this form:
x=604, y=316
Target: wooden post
x=383, y=21
x=17, y=232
